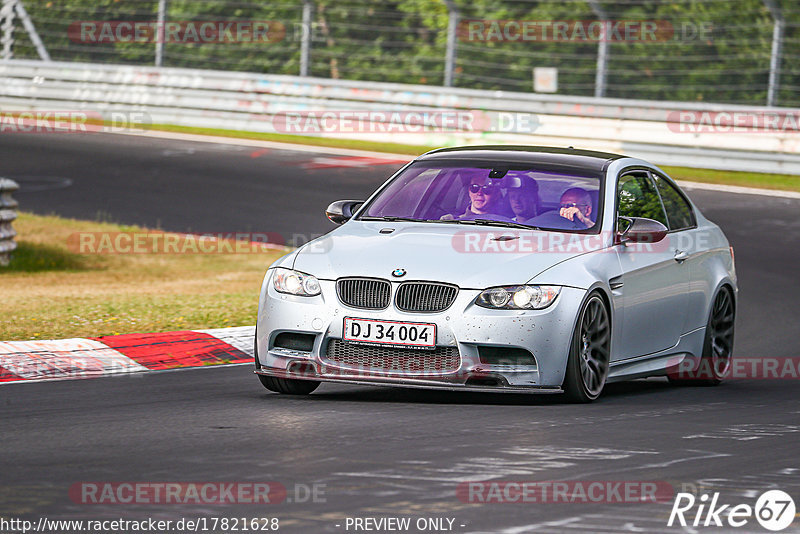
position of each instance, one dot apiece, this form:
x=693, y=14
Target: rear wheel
x=718, y=345
x=288, y=386
x=587, y=365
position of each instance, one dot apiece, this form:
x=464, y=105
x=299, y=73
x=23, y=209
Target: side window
x=637, y=197
x=679, y=212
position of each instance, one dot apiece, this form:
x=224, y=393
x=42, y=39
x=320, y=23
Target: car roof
x=589, y=160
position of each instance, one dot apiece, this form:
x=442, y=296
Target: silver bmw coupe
x=504, y=269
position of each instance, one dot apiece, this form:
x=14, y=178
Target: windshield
x=491, y=193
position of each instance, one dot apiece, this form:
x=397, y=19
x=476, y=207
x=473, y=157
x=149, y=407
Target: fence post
x=27, y=23
x=160, y=33
x=450, y=53
x=305, y=43
x=7, y=27
x=775, y=54
x=602, y=50
x=7, y=214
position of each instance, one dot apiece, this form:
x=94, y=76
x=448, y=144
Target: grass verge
x=52, y=291
x=786, y=182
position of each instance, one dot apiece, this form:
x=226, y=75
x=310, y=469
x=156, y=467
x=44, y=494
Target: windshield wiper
x=477, y=222
x=390, y=218
x=484, y=222
x=506, y=224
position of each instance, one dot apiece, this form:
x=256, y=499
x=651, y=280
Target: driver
x=576, y=205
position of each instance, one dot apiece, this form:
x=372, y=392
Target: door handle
x=681, y=256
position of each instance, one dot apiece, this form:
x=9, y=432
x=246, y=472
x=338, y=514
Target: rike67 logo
x=774, y=510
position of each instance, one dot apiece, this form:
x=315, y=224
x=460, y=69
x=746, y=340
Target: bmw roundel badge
x=397, y=273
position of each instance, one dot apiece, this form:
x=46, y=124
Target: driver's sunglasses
x=573, y=205
x=487, y=189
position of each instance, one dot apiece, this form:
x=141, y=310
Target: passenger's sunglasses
x=487, y=189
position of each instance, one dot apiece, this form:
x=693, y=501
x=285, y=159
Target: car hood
x=468, y=256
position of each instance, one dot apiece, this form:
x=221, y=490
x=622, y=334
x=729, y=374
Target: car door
x=652, y=296
x=691, y=243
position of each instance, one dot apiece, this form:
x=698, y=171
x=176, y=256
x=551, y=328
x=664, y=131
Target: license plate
x=390, y=333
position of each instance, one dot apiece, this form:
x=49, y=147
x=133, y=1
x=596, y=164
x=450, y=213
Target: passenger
x=524, y=199
x=576, y=205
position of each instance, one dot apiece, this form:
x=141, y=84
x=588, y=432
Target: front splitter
x=409, y=383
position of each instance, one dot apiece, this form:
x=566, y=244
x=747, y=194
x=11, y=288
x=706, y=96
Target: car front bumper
x=465, y=327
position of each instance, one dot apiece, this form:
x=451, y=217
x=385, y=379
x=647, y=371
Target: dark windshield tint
x=491, y=192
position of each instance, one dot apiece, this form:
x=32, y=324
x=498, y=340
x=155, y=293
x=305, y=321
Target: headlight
x=518, y=297
x=295, y=283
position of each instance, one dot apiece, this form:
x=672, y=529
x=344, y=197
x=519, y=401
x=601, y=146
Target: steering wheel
x=551, y=219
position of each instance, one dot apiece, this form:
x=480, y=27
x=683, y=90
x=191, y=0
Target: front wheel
x=288, y=386
x=587, y=365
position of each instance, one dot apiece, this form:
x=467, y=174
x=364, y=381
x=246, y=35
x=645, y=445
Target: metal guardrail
x=8, y=214
x=249, y=101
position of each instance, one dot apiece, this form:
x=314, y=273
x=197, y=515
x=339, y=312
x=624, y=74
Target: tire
x=589, y=353
x=288, y=386
x=717, y=345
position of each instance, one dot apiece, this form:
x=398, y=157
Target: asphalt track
x=379, y=452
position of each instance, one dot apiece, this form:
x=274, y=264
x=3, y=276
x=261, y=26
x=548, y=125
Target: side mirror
x=340, y=211
x=640, y=230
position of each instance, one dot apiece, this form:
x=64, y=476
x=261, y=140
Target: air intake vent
x=294, y=341
x=378, y=359
x=505, y=356
x=365, y=293
x=425, y=296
